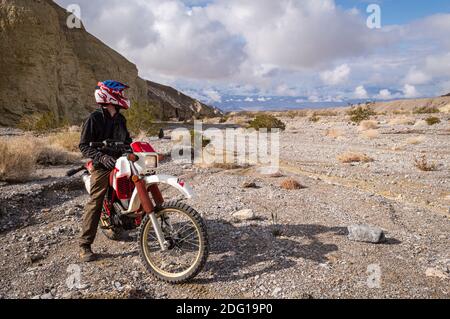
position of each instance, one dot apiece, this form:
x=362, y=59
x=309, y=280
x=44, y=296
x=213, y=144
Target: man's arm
x=88, y=135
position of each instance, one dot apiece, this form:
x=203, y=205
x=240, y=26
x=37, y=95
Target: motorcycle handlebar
x=74, y=171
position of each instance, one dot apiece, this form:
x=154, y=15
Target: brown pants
x=93, y=209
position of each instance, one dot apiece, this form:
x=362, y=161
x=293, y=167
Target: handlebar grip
x=74, y=171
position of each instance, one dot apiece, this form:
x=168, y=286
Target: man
x=103, y=124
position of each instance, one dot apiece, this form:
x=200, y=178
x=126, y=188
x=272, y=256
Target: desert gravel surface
x=296, y=246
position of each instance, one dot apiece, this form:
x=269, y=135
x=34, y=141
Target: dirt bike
x=173, y=240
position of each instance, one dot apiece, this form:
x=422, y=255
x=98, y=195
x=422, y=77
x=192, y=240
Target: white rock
x=365, y=233
x=433, y=272
x=245, y=214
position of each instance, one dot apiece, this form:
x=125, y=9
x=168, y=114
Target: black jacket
x=100, y=126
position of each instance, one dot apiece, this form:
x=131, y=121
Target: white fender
x=173, y=181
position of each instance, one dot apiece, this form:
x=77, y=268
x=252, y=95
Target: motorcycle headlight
x=151, y=161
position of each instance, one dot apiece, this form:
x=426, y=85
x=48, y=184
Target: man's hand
x=108, y=161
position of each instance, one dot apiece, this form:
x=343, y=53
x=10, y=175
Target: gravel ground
x=304, y=254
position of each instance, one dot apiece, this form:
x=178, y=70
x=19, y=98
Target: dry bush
x=421, y=123
x=426, y=110
x=50, y=155
x=17, y=159
x=67, y=140
x=314, y=118
x=415, y=140
x=267, y=121
x=368, y=125
x=291, y=184
x=370, y=134
x=298, y=113
x=433, y=120
x=326, y=113
x=360, y=113
x=334, y=133
x=353, y=157
x=402, y=121
x=225, y=166
x=423, y=164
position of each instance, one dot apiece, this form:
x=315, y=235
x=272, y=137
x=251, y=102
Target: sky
x=254, y=54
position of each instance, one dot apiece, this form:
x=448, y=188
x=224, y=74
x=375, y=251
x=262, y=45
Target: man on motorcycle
x=106, y=123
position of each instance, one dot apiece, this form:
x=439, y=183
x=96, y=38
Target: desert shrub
x=360, y=113
x=426, y=110
x=41, y=122
x=402, y=121
x=50, y=155
x=415, y=140
x=352, y=157
x=370, y=134
x=432, y=120
x=423, y=164
x=17, y=159
x=140, y=117
x=224, y=119
x=291, y=184
x=368, y=125
x=334, y=133
x=267, y=121
x=66, y=140
x=325, y=113
x=314, y=118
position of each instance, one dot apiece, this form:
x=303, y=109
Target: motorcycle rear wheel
x=185, y=231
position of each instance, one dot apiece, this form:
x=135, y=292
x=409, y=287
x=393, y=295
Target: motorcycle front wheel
x=187, y=239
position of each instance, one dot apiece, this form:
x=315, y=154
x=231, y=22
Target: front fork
x=148, y=207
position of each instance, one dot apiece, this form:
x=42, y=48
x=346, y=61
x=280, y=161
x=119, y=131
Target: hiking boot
x=86, y=254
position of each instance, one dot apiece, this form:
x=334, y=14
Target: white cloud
x=213, y=95
x=336, y=76
x=417, y=77
x=361, y=93
x=410, y=91
x=249, y=99
x=273, y=47
x=384, y=95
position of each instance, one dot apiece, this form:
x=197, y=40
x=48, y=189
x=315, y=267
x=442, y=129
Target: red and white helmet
x=111, y=92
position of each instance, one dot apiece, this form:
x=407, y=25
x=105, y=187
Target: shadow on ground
x=252, y=250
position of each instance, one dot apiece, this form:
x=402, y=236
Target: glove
x=108, y=161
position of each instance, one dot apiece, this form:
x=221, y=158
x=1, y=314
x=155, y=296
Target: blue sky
x=401, y=11
x=268, y=53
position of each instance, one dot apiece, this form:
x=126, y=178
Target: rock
x=46, y=296
x=245, y=214
x=365, y=233
x=433, y=272
x=249, y=184
x=276, y=291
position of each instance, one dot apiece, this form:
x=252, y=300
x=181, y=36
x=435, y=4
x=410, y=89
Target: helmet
x=111, y=92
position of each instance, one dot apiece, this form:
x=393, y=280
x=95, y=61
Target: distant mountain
x=47, y=67
x=446, y=95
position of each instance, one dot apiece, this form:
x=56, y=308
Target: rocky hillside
x=47, y=67
x=442, y=103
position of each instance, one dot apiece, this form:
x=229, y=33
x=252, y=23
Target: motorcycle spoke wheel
x=186, y=236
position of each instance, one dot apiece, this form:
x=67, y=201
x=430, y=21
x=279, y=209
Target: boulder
x=365, y=233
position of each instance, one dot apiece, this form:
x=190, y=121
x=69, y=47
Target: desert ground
x=296, y=246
